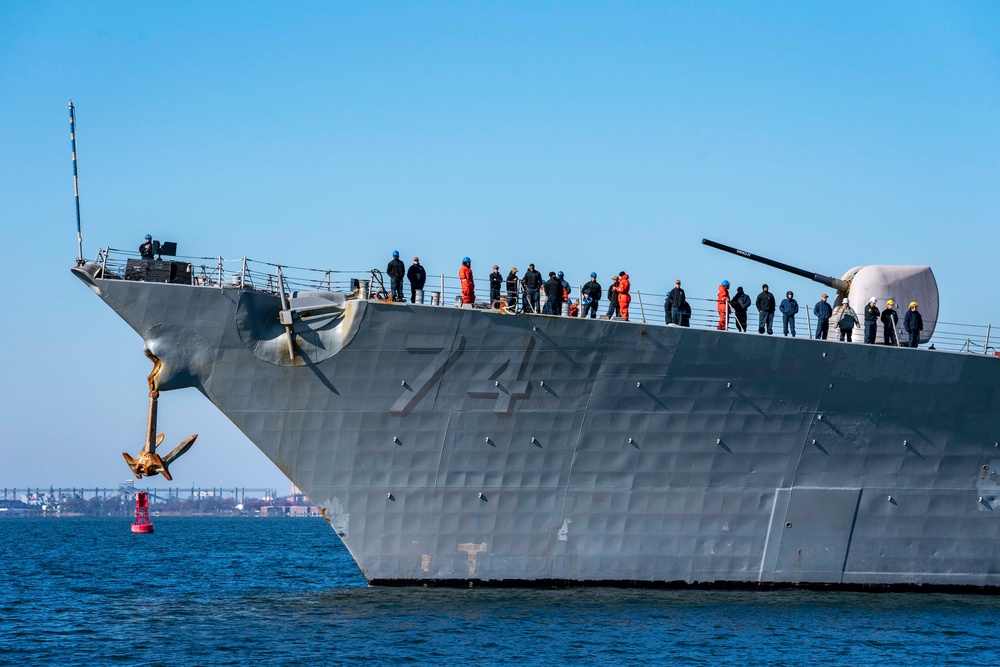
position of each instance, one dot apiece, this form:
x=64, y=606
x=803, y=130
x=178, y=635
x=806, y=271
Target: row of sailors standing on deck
x=766, y=305
x=844, y=318
x=416, y=275
x=556, y=289
x=557, y=293
x=676, y=308
x=740, y=305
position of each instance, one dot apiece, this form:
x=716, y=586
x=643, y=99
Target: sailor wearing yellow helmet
x=914, y=324
x=889, y=320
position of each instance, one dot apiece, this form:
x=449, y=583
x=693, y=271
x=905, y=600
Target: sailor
x=396, y=270
x=532, y=283
x=553, y=295
x=574, y=308
x=417, y=277
x=741, y=304
x=613, y=298
x=765, y=306
x=846, y=320
x=789, y=307
x=913, y=322
x=565, y=285
x=677, y=301
x=823, y=311
x=685, y=314
x=512, y=289
x=624, y=299
x=723, y=305
x=872, y=314
x=496, y=282
x=146, y=249
x=889, y=320
x=592, y=292
x=468, y=284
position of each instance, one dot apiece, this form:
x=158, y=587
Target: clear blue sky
x=578, y=136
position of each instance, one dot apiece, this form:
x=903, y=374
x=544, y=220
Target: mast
x=76, y=184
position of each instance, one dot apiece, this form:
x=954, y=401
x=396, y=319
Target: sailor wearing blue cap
x=592, y=292
x=468, y=282
x=146, y=249
x=722, y=302
x=396, y=270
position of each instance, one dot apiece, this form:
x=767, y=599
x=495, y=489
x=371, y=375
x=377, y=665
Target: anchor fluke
x=148, y=463
x=176, y=452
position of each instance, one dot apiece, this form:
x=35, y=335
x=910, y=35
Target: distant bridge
x=41, y=495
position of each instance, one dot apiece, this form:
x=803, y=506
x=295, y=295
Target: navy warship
x=459, y=445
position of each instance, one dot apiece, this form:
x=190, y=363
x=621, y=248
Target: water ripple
x=285, y=592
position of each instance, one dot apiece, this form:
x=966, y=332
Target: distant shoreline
x=174, y=501
x=33, y=513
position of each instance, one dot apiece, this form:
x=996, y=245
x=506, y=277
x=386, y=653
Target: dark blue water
x=285, y=592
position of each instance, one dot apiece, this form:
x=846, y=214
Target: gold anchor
x=148, y=463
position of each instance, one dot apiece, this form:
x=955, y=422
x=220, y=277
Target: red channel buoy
x=142, y=523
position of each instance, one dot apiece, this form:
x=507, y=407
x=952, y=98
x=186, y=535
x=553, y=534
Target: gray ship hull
x=450, y=445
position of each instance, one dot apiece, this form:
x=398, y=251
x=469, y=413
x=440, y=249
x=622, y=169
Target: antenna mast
x=76, y=184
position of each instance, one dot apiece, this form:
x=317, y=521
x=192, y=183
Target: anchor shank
x=151, y=425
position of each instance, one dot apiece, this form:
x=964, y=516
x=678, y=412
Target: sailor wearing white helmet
x=872, y=314
x=846, y=319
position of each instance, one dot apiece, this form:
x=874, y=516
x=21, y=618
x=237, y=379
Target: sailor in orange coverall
x=468, y=285
x=723, y=304
x=623, y=296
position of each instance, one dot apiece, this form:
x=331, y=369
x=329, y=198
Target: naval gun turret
x=902, y=284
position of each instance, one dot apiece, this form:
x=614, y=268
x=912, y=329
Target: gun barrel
x=835, y=283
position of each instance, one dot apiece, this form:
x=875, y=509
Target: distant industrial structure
x=119, y=501
x=294, y=504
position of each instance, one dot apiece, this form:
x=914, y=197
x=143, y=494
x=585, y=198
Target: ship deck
x=445, y=290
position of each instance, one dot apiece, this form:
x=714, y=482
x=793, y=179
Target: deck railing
x=646, y=307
